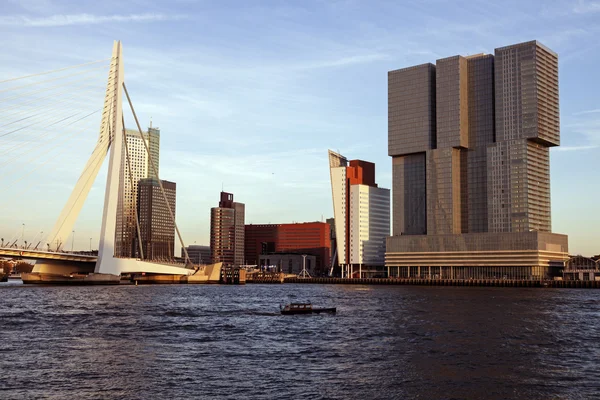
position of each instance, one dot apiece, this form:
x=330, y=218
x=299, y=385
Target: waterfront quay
x=450, y=282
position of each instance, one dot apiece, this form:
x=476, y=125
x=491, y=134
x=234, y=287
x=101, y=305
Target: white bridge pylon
x=110, y=141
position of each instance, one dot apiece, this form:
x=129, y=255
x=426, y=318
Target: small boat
x=304, y=308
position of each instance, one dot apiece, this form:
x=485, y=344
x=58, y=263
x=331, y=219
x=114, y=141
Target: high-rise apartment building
x=362, y=215
x=132, y=171
x=157, y=228
x=227, y=231
x=311, y=238
x=469, y=139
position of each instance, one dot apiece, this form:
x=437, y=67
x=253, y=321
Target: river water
x=230, y=342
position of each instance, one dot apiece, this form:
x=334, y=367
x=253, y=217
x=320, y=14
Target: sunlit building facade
x=227, y=231
x=469, y=139
x=361, y=217
x=157, y=228
x=135, y=165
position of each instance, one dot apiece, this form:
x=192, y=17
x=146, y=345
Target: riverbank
x=449, y=282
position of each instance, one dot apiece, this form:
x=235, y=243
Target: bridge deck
x=45, y=255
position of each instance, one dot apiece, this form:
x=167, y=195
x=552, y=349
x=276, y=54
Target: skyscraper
x=362, y=215
x=469, y=139
x=157, y=228
x=153, y=135
x=227, y=231
x=137, y=168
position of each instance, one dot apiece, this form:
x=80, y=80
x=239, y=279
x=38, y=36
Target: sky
x=250, y=95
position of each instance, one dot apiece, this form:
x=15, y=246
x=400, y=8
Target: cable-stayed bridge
x=52, y=104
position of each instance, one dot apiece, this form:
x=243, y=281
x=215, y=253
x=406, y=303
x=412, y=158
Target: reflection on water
x=188, y=341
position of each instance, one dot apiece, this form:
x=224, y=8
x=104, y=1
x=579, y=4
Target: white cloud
x=584, y=7
x=81, y=19
x=575, y=148
x=345, y=61
x=597, y=110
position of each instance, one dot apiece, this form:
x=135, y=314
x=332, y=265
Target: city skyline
x=214, y=140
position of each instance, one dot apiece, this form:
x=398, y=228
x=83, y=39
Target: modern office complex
x=132, y=170
x=310, y=238
x=227, y=231
x=198, y=254
x=469, y=139
x=157, y=228
x=361, y=216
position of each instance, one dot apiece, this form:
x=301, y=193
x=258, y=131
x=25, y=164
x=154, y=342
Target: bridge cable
x=56, y=70
x=49, y=96
x=47, y=133
x=32, y=136
x=52, y=148
x=56, y=104
x=151, y=162
x=130, y=174
x=99, y=158
x=2, y=100
x=103, y=67
x=51, y=134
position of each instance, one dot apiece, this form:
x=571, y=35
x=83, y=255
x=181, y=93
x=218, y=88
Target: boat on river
x=304, y=308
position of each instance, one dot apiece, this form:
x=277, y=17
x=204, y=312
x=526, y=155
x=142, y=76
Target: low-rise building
x=312, y=238
x=289, y=263
x=198, y=254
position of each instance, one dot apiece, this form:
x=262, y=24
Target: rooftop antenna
x=150, y=122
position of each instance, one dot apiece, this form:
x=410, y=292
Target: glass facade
x=157, y=228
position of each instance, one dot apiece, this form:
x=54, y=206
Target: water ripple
x=231, y=342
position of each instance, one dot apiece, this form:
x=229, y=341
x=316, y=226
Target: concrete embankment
x=448, y=282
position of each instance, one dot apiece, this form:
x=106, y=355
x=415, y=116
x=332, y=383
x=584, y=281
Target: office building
x=157, y=228
x=153, y=136
x=227, y=231
x=132, y=170
x=310, y=238
x=469, y=139
x=361, y=216
x=198, y=254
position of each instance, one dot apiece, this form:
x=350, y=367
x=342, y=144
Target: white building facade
x=362, y=217
x=132, y=170
x=369, y=224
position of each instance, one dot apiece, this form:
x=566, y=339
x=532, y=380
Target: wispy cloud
x=346, y=61
x=586, y=7
x=595, y=111
x=575, y=148
x=81, y=19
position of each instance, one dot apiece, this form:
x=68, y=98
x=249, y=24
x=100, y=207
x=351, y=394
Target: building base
x=506, y=255
x=70, y=279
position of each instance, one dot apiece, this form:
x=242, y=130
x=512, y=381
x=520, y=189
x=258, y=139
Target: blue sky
x=251, y=94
